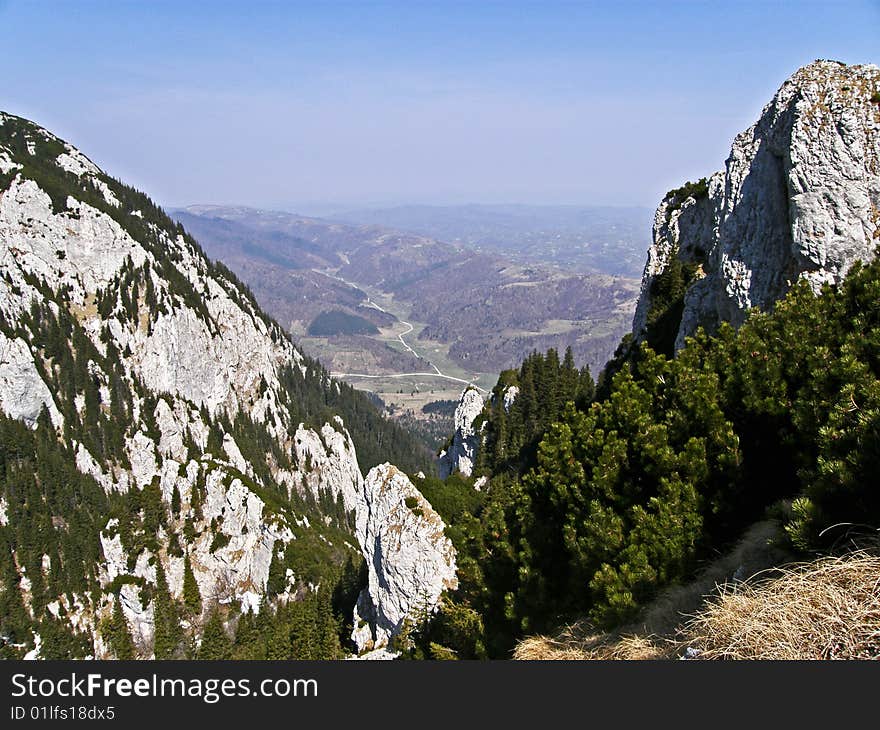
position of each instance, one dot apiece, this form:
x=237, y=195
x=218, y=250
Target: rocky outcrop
x=462, y=453
x=23, y=394
x=332, y=463
x=510, y=394
x=410, y=560
x=799, y=199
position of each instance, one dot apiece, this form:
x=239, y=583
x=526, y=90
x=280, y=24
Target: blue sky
x=367, y=103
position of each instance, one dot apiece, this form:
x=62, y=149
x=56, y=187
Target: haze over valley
x=414, y=319
x=583, y=239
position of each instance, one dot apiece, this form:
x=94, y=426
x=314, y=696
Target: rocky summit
x=799, y=199
x=410, y=560
x=462, y=452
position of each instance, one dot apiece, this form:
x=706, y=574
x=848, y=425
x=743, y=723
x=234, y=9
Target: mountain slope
x=168, y=452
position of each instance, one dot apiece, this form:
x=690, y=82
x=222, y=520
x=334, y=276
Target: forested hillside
x=632, y=491
x=173, y=472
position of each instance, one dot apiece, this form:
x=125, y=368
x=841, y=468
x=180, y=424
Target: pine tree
x=119, y=637
x=328, y=628
x=14, y=620
x=303, y=628
x=192, y=597
x=250, y=637
x=216, y=643
x=153, y=508
x=277, y=575
x=168, y=634
x=278, y=645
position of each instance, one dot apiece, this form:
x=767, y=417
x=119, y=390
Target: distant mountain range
x=582, y=239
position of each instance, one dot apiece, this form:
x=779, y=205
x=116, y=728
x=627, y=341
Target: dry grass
x=829, y=609
x=575, y=643
x=653, y=637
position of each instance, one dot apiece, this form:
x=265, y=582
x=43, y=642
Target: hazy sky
x=286, y=104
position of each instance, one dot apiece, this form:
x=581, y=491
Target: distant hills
x=487, y=309
x=605, y=239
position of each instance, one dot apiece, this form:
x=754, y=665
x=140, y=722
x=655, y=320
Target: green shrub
x=221, y=540
x=695, y=190
x=676, y=458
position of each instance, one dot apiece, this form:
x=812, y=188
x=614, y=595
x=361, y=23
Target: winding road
x=436, y=374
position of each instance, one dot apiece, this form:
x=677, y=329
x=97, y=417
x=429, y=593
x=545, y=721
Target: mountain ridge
x=211, y=477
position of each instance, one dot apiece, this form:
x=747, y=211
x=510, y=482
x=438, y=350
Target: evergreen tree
x=251, y=636
x=192, y=597
x=168, y=635
x=278, y=643
x=119, y=637
x=215, y=641
x=277, y=575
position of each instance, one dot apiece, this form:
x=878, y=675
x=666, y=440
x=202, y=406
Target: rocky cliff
x=175, y=431
x=462, y=452
x=410, y=560
x=799, y=198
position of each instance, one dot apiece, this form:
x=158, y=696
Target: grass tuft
x=828, y=609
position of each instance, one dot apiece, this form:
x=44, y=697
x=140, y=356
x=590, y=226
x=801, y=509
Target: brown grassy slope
x=826, y=609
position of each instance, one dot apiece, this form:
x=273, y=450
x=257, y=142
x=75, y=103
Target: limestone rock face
x=410, y=561
x=462, y=454
x=207, y=415
x=190, y=348
x=799, y=198
x=409, y=558
x=332, y=461
x=22, y=391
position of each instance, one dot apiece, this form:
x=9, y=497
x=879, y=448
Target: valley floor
x=408, y=329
